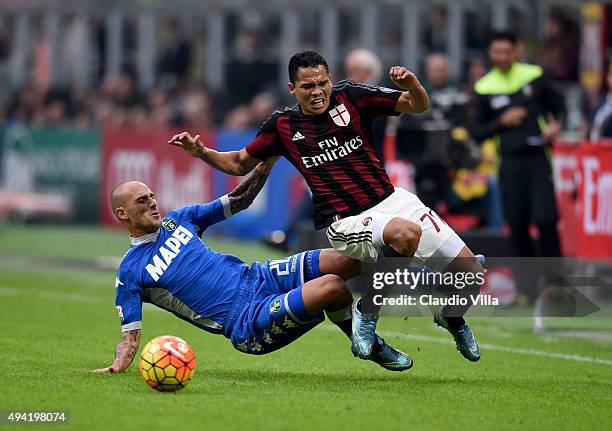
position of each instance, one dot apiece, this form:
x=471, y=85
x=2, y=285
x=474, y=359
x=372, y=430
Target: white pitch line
x=73, y=297
x=495, y=347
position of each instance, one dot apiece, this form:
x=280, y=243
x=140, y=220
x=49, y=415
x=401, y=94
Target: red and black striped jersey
x=333, y=151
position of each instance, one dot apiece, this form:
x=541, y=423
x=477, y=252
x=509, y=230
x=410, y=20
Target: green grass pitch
x=59, y=322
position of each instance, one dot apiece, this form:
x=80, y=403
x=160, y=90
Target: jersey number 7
x=432, y=216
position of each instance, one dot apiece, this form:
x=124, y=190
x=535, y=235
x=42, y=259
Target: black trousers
x=528, y=196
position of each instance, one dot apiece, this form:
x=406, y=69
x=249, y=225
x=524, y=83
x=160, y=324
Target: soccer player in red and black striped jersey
x=327, y=137
x=333, y=149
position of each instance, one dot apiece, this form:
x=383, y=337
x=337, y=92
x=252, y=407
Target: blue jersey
x=174, y=270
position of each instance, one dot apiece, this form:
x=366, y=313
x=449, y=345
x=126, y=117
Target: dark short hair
x=305, y=59
x=503, y=36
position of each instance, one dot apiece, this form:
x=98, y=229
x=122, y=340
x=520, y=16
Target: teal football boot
x=390, y=358
x=464, y=339
x=363, y=332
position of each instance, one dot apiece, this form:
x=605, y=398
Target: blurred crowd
x=117, y=103
x=179, y=98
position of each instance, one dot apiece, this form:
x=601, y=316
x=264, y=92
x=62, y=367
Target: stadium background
x=90, y=93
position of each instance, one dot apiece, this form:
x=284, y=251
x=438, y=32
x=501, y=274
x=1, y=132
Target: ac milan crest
x=340, y=115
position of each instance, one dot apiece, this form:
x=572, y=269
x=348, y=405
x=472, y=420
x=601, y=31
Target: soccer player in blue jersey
x=260, y=308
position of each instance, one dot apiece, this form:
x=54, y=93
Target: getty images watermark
x=416, y=280
x=553, y=287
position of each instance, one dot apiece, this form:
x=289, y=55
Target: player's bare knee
x=403, y=235
x=334, y=262
x=334, y=289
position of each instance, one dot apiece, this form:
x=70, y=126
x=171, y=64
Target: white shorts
x=361, y=236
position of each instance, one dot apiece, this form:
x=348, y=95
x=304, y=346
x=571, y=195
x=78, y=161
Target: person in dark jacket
x=516, y=104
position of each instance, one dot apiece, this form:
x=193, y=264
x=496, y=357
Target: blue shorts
x=276, y=315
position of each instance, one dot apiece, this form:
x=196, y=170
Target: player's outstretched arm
x=124, y=352
x=231, y=162
x=243, y=196
x=415, y=98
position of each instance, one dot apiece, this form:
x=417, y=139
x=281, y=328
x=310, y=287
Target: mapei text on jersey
x=180, y=236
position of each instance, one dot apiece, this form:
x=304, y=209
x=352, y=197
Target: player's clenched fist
x=403, y=78
x=193, y=145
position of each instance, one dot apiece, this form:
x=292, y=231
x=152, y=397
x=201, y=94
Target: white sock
x=339, y=315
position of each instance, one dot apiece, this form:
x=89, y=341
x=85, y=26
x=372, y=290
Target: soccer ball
x=167, y=363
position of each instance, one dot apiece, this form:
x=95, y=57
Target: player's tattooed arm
x=415, y=98
x=243, y=196
x=124, y=352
